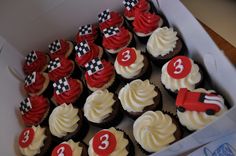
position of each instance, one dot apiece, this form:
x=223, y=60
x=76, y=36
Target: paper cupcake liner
x=46, y=148
x=84, y=148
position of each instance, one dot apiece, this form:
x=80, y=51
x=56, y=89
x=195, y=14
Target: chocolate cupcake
x=67, y=122
x=163, y=45
x=61, y=48
x=102, y=109
x=34, y=110
x=71, y=148
x=89, y=33
x=131, y=64
x=34, y=141
x=139, y=96
x=35, y=61
x=199, y=107
x=180, y=72
x=116, y=143
x=155, y=130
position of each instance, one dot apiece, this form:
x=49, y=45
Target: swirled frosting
x=154, y=131
x=133, y=69
x=88, y=37
x=64, y=51
x=36, y=144
x=162, y=41
x=76, y=149
x=39, y=65
x=115, y=20
x=145, y=23
x=63, y=120
x=194, y=120
x=120, y=148
x=98, y=105
x=137, y=95
x=188, y=82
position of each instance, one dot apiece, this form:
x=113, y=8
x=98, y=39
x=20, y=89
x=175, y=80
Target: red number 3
x=105, y=142
x=178, y=66
x=126, y=56
x=60, y=151
x=26, y=136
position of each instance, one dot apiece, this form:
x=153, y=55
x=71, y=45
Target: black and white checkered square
x=85, y=30
x=25, y=106
x=30, y=79
x=61, y=86
x=31, y=57
x=103, y=16
x=54, y=64
x=82, y=48
x=110, y=31
x=129, y=4
x=94, y=66
x=54, y=46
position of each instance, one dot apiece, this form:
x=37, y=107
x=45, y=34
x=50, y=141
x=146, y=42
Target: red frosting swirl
x=66, y=68
x=102, y=77
x=141, y=6
x=38, y=65
x=71, y=95
x=61, y=52
x=118, y=40
x=145, y=22
x=115, y=20
x=89, y=37
x=36, y=114
x=93, y=53
x=38, y=85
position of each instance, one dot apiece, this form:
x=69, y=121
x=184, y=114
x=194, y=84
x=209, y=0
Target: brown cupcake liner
x=48, y=92
x=77, y=73
x=46, y=148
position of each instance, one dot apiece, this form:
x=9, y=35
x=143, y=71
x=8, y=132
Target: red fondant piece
x=126, y=57
x=37, y=85
x=26, y=137
x=115, y=20
x=62, y=150
x=62, y=51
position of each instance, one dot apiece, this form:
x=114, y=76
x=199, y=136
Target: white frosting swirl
x=37, y=142
x=120, y=148
x=154, y=131
x=188, y=82
x=98, y=105
x=194, y=120
x=63, y=120
x=137, y=95
x=162, y=41
x=133, y=69
x=76, y=149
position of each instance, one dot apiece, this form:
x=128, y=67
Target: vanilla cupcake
x=139, y=96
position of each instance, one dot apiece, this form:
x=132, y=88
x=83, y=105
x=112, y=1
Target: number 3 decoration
x=62, y=150
x=126, y=56
x=179, y=67
x=104, y=143
x=26, y=137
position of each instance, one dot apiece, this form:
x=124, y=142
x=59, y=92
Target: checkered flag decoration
x=82, y=48
x=54, y=46
x=85, y=30
x=31, y=57
x=25, y=106
x=61, y=86
x=129, y=4
x=103, y=16
x=110, y=31
x=54, y=64
x=94, y=66
x=30, y=79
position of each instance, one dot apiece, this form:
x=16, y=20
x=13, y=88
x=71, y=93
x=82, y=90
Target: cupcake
x=38, y=83
x=109, y=18
x=100, y=75
x=67, y=122
x=87, y=32
x=180, y=72
x=61, y=48
x=163, y=45
x=70, y=148
x=68, y=90
x=34, y=110
x=117, y=38
x=35, y=61
x=34, y=141
x=198, y=108
x=155, y=130
x=86, y=51
x=145, y=23
x=102, y=109
x=139, y=96
x=62, y=67
x=131, y=64
x=111, y=142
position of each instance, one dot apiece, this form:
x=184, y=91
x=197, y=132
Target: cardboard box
x=200, y=46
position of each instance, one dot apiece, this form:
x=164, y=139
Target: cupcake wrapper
x=48, y=92
x=115, y=85
x=47, y=148
x=77, y=73
x=143, y=39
